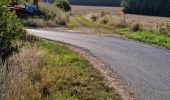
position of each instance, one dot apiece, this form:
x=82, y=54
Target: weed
x=103, y=13
x=30, y=22
x=104, y=20
x=122, y=24
x=164, y=29
x=136, y=27
x=94, y=18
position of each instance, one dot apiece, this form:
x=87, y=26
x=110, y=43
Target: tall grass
x=50, y=71
x=49, y=16
x=17, y=72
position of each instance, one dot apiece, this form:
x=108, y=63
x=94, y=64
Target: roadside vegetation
x=63, y=4
x=47, y=70
x=134, y=30
x=11, y=32
x=48, y=16
x=35, y=69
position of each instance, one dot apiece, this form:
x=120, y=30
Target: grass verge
x=50, y=71
x=152, y=37
x=146, y=36
x=72, y=77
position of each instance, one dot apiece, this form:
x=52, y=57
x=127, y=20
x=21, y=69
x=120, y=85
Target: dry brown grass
x=50, y=71
x=16, y=74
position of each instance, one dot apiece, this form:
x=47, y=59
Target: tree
x=148, y=7
x=63, y=4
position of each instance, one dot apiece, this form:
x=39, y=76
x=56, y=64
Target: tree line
x=147, y=7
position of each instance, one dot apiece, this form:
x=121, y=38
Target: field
x=148, y=21
x=111, y=21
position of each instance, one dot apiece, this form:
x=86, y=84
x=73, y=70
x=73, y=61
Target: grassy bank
x=109, y=25
x=53, y=72
x=146, y=36
x=48, y=15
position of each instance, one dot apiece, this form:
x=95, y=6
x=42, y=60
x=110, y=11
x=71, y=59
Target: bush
x=14, y=2
x=10, y=32
x=121, y=24
x=52, y=15
x=33, y=22
x=103, y=13
x=164, y=29
x=104, y=20
x=136, y=27
x=61, y=20
x=63, y=4
x=48, y=11
x=94, y=18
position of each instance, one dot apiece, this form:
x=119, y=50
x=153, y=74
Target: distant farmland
x=96, y=2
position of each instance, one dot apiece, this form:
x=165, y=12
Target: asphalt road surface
x=146, y=68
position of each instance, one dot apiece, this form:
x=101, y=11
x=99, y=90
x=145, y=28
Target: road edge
x=113, y=79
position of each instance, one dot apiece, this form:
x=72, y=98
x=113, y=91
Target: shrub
x=94, y=18
x=51, y=23
x=63, y=4
x=52, y=13
x=103, y=13
x=48, y=11
x=33, y=22
x=137, y=27
x=14, y=2
x=104, y=20
x=61, y=20
x=121, y=24
x=10, y=32
x=164, y=29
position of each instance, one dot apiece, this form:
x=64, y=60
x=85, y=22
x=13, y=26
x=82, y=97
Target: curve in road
x=144, y=67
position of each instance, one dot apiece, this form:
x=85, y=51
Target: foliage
x=34, y=22
x=10, y=32
x=146, y=36
x=136, y=27
x=164, y=29
x=48, y=16
x=121, y=27
x=14, y=2
x=63, y=4
x=48, y=11
x=94, y=18
x=104, y=20
x=49, y=71
x=148, y=7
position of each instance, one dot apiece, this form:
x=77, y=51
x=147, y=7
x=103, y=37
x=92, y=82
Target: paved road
x=144, y=67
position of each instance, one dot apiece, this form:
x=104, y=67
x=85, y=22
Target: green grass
x=77, y=21
x=69, y=76
x=144, y=36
